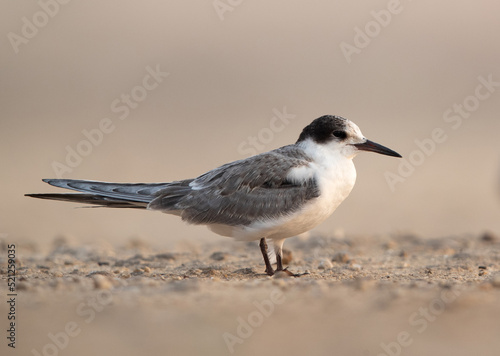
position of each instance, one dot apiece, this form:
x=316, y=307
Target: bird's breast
x=334, y=184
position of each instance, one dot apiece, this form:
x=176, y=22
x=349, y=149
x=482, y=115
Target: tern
x=272, y=195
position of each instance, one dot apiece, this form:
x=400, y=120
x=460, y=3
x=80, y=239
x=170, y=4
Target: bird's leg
x=278, y=249
x=263, y=249
x=279, y=264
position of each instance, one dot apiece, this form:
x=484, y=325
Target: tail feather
x=112, y=195
x=97, y=200
x=139, y=192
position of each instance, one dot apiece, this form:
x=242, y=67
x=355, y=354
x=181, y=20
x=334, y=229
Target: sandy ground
x=364, y=295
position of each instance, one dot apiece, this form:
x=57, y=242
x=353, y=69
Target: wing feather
x=237, y=193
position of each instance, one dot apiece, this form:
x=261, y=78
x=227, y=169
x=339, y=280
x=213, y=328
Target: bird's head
x=338, y=134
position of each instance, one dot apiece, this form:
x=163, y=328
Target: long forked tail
x=112, y=195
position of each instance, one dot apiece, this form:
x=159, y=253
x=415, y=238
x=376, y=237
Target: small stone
x=54, y=283
x=101, y=282
x=355, y=267
x=483, y=272
x=165, y=256
x=147, y=269
x=125, y=275
x=58, y=274
x=390, y=245
x=325, y=264
x=341, y=257
x=489, y=237
x=218, y=256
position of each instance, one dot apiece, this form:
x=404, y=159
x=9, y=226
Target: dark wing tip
x=49, y=180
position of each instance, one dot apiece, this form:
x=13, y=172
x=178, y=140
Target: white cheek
x=349, y=150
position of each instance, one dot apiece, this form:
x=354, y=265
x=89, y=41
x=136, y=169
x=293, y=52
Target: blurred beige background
x=227, y=77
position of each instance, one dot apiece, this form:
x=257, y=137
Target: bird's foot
x=291, y=274
x=285, y=273
x=269, y=272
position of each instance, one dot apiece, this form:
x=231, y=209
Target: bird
x=269, y=196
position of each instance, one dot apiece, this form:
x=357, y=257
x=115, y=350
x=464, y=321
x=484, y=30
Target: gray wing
x=240, y=192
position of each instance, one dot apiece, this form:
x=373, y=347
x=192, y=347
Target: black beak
x=375, y=147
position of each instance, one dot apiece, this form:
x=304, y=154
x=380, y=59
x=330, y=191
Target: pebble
x=341, y=257
x=165, y=256
x=489, y=237
x=390, y=245
x=355, y=267
x=218, y=256
x=325, y=264
x=101, y=282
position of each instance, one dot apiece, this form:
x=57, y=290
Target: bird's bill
x=375, y=147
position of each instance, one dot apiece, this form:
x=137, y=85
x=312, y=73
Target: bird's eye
x=339, y=134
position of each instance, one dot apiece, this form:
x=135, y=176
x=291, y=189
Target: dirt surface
x=364, y=295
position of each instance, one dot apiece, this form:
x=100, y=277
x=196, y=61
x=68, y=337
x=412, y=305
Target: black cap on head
x=324, y=129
